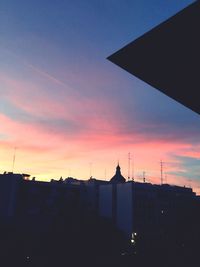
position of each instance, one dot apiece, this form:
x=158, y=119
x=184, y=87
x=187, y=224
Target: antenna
x=14, y=156
x=129, y=160
x=161, y=172
x=90, y=169
x=133, y=169
x=144, y=179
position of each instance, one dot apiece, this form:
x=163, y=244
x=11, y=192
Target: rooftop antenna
x=129, y=160
x=144, y=179
x=133, y=169
x=161, y=172
x=90, y=169
x=14, y=156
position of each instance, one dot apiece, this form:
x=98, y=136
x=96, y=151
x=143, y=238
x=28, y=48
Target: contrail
x=45, y=74
x=36, y=69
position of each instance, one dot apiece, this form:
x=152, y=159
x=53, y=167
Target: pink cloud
x=48, y=155
x=39, y=101
x=101, y=135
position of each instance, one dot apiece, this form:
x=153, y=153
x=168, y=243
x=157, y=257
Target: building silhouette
x=118, y=178
x=131, y=206
x=149, y=217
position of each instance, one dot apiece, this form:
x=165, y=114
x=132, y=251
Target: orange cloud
x=68, y=131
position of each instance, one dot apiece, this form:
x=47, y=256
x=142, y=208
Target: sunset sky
x=71, y=112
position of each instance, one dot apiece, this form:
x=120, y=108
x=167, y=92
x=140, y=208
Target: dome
x=118, y=178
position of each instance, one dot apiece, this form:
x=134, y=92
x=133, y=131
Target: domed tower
x=118, y=178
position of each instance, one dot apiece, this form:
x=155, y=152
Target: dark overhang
x=168, y=57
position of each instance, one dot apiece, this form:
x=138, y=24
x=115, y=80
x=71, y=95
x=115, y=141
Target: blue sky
x=64, y=104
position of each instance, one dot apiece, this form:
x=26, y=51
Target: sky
x=65, y=110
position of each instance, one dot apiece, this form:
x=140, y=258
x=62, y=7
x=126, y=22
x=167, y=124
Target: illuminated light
x=132, y=241
x=162, y=211
x=133, y=235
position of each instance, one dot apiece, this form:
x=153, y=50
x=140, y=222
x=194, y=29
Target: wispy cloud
x=46, y=75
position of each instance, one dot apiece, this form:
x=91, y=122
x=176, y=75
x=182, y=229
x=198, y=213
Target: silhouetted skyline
x=96, y=222
x=62, y=103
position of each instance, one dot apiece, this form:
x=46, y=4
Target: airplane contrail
x=34, y=68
